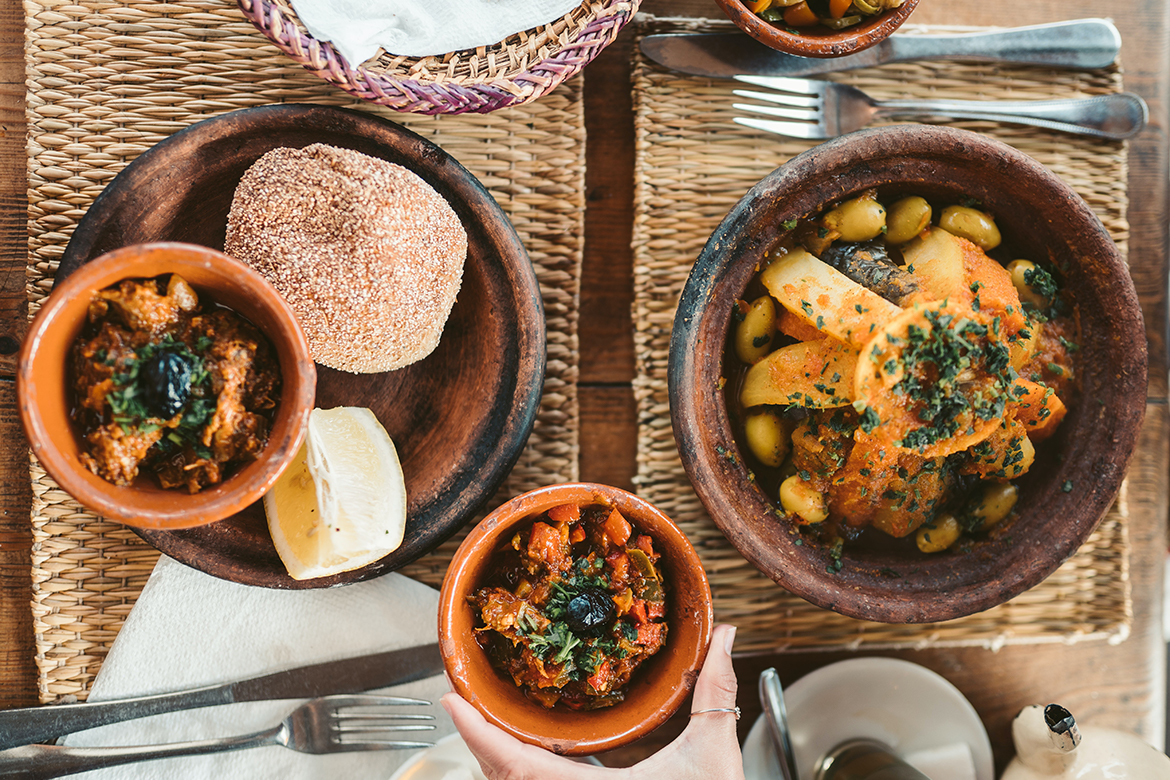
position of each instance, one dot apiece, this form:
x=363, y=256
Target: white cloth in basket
x=419, y=28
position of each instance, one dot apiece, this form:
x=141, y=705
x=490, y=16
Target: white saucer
x=904, y=705
x=449, y=755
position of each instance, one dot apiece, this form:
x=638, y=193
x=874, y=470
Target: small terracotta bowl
x=658, y=687
x=1077, y=473
x=45, y=402
x=818, y=41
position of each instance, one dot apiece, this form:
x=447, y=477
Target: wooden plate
x=459, y=418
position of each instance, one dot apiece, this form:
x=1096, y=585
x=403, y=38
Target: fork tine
x=350, y=747
x=353, y=728
x=776, y=97
x=370, y=700
x=378, y=717
x=783, y=113
x=791, y=129
x=795, y=86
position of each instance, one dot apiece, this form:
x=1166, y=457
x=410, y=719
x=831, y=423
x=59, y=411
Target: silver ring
x=734, y=710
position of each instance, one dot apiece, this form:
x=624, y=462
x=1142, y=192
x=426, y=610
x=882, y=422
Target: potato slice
x=935, y=259
x=813, y=374
x=826, y=298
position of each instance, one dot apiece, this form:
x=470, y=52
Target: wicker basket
x=518, y=69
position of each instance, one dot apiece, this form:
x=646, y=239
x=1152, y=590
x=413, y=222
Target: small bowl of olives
x=575, y=617
x=907, y=374
x=165, y=385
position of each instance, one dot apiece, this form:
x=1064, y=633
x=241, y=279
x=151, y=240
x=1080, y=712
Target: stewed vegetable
x=575, y=604
x=902, y=377
x=833, y=14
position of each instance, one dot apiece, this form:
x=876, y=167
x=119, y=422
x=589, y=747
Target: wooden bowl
x=818, y=41
x=658, y=687
x=45, y=399
x=1043, y=218
x=459, y=418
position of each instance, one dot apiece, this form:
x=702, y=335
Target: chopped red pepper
x=620, y=563
x=650, y=633
x=545, y=544
x=577, y=535
x=656, y=609
x=601, y=677
x=565, y=513
x=646, y=545
x=617, y=529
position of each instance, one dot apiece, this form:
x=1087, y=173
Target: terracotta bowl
x=659, y=686
x=818, y=41
x=45, y=400
x=459, y=418
x=1042, y=218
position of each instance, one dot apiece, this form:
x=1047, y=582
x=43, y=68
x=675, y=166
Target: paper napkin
x=418, y=28
x=189, y=629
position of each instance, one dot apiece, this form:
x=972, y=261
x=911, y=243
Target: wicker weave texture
x=693, y=164
x=106, y=81
x=518, y=69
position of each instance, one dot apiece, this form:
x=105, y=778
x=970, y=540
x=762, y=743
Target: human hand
x=707, y=750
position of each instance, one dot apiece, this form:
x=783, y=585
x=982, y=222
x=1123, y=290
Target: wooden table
x=1114, y=685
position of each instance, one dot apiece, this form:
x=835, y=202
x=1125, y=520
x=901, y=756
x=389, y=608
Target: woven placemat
x=106, y=81
x=693, y=164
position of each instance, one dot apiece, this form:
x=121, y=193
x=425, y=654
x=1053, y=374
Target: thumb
x=716, y=687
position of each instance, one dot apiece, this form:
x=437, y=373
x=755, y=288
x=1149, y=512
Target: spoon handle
x=772, y=699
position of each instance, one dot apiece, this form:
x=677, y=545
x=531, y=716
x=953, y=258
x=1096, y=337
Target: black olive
x=165, y=380
x=590, y=612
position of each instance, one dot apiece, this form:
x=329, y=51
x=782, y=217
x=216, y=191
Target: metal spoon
x=772, y=699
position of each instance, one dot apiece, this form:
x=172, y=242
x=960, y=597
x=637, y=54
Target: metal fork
x=825, y=109
x=330, y=724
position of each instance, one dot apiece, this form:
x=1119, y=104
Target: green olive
x=907, y=218
x=803, y=500
x=972, y=224
x=755, y=335
x=1019, y=272
x=769, y=437
x=859, y=219
x=999, y=498
x=939, y=534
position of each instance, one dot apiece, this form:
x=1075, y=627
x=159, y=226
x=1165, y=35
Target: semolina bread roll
x=367, y=254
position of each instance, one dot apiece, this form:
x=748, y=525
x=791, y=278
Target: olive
x=590, y=612
x=166, y=383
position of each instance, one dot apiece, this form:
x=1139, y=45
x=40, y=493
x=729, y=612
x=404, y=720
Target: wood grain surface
x=1115, y=685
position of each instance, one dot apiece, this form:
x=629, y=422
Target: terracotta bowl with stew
x=817, y=40
x=1076, y=473
x=658, y=686
x=46, y=400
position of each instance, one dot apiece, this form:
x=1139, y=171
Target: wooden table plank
x=17, y=667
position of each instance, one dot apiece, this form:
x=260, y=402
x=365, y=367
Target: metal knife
x=351, y=675
x=1082, y=43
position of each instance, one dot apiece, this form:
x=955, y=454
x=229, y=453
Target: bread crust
x=368, y=255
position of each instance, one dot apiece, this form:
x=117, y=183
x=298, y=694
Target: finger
x=716, y=686
x=502, y=756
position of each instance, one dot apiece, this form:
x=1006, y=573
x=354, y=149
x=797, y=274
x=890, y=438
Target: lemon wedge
x=342, y=502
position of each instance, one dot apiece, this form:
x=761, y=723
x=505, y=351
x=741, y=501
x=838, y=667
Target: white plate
x=904, y=705
x=449, y=758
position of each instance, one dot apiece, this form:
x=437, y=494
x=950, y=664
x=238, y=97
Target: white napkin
x=418, y=28
x=190, y=629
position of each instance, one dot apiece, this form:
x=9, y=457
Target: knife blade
x=351, y=675
x=1081, y=43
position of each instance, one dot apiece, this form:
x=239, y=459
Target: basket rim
x=592, y=32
